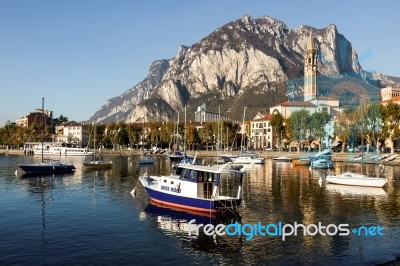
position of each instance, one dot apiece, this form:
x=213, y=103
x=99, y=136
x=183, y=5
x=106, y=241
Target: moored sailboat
x=96, y=163
x=49, y=167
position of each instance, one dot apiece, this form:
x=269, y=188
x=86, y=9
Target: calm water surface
x=90, y=217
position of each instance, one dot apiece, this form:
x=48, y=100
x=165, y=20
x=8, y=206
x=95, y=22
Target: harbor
x=91, y=217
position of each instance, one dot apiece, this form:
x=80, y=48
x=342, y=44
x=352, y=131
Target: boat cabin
x=202, y=182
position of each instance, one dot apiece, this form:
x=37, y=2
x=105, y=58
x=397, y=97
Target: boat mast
x=42, y=126
x=243, y=131
x=184, y=138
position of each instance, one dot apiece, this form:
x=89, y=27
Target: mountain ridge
x=262, y=54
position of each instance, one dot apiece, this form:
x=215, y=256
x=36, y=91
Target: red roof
x=394, y=99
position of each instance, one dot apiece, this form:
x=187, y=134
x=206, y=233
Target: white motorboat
x=354, y=179
x=208, y=189
x=248, y=160
x=282, y=159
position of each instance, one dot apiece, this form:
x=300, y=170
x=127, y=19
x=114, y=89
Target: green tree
x=300, y=121
x=192, y=137
x=391, y=121
x=278, y=128
x=318, y=121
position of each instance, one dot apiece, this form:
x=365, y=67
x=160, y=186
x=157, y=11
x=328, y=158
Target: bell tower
x=310, y=70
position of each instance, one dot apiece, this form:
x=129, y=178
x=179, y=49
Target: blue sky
x=80, y=53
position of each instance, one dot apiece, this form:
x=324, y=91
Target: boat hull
x=301, y=162
x=193, y=204
x=356, y=180
x=248, y=160
x=96, y=165
x=47, y=168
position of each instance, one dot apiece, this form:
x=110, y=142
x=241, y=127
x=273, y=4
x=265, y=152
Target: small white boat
x=98, y=164
x=146, y=160
x=282, y=159
x=248, y=160
x=354, y=179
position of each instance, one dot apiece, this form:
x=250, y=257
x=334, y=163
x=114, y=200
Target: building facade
x=261, y=132
x=35, y=118
x=73, y=133
x=202, y=115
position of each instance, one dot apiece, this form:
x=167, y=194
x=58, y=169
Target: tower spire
x=311, y=44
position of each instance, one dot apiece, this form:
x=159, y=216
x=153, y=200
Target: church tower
x=310, y=70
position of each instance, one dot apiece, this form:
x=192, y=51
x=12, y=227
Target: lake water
x=90, y=217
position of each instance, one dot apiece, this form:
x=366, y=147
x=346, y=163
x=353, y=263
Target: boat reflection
x=45, y=175
x=179, y=223
x=355, y=190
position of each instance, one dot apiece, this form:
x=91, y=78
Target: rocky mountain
x=247, y=62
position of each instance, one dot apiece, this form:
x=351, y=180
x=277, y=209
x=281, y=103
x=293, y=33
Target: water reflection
x=176, y=222
x=278, y=192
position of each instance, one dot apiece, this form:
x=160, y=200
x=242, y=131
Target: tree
x=192, y=136
x=134, y=133
x=343, y=126
x=300, y=121
x=391, y=120
x=277, y=124
x=318, y=121
x=206, y=134
x=374, y=124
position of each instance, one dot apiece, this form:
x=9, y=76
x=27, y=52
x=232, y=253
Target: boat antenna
x=184, y=138
x=42, y=126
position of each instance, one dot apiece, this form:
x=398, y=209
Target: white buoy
x=320, y=180
x=16, y=172
x=133, y=192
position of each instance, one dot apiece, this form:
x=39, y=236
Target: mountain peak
x=244, y=57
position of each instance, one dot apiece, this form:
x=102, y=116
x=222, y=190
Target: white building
x=73, y=133
x=261, y=131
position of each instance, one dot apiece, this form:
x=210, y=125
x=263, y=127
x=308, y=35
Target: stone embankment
x=336, y=157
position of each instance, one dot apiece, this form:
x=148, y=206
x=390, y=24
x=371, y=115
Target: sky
x=77, y=54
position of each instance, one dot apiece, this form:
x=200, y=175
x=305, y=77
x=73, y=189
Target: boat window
x=210, y=177
x=193, y=175
x=200, y=176
x=185, y=174
x=172, y=182
x=165, y=181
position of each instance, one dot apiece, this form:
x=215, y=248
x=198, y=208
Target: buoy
x=133, y=192
x=16, y=172
x=320, y=180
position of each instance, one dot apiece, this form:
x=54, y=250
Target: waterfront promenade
x=336, y=157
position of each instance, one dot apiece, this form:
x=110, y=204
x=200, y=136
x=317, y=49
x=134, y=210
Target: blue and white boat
x=322, y=164
x=325, y=154
x=50, y=167
x=211, y=189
